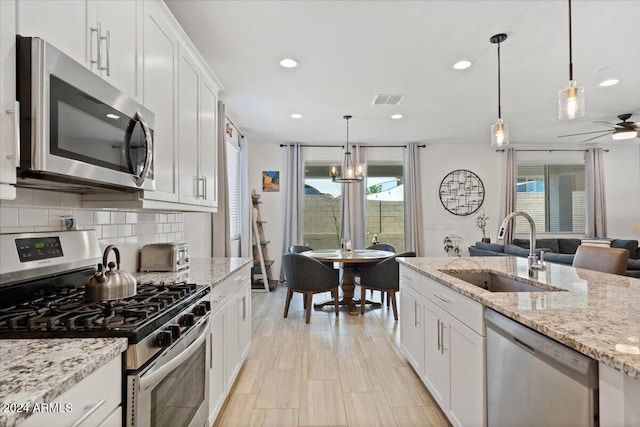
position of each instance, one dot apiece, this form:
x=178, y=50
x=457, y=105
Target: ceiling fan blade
x=585, y=133
x=590, y=139
x=602, y=122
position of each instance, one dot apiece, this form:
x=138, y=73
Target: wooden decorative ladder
x=261, y=277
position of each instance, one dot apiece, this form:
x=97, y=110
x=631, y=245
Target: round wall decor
x=461, y=192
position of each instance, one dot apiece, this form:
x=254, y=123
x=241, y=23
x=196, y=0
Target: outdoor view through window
x=384, y=211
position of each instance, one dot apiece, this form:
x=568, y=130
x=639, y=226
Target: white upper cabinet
x=113, y=34
x=191, y=184
x=63, y=23
x=101, y=34
x=208, y=143
x=8, y=118
x=160, y=65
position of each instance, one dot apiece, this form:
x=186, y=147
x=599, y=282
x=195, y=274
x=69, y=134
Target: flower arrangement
x=481, y=222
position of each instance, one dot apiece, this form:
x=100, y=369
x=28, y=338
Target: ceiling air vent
x=388, y=99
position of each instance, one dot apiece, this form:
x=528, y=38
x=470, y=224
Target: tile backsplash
x=38, y=210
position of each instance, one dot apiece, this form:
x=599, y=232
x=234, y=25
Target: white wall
x=622, y=181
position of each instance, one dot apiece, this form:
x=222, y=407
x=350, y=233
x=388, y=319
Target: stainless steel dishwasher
x=535, y=381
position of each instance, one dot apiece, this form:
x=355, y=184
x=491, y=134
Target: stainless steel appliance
x=535, y=381
x=164, y=257
x=167, y=324
x=76, y=130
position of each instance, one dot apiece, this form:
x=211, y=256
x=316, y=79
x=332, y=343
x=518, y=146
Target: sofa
x=556, y=250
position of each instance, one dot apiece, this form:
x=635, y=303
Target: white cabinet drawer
x=99, y=393
x=459, y=306
x=411, y=278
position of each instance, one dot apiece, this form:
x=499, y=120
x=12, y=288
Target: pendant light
x=571, y=98
x=500, y=130
x=349, y=172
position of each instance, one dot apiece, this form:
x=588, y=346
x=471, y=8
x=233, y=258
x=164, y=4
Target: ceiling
x=348, y=51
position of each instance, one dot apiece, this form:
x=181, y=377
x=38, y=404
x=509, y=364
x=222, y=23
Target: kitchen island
x=594, y=313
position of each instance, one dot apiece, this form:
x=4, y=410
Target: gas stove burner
x=64, y=310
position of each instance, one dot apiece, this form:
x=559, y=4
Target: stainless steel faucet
x=534, y=264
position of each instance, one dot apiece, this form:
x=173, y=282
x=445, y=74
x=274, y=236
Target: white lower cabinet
x=94, y=401
x=442, y=335
x=231, y=336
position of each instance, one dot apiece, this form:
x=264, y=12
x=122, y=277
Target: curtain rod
x=501, y=150
x=342, y=146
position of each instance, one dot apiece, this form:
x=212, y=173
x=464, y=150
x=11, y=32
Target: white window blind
x=554, y=197
x=233, y=181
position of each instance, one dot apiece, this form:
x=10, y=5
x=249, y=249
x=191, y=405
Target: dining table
x=348, y=260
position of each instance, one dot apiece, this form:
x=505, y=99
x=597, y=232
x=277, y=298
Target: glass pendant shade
x=499, y=134
x=571, y=101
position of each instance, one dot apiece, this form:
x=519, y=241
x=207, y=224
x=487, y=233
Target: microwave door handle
x=151, y=379
x=149, y=144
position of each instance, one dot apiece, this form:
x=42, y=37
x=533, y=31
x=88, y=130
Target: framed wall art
x=461, y=192
x=270, y=181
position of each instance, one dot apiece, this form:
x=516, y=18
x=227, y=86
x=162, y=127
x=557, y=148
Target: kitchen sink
x=495, y=283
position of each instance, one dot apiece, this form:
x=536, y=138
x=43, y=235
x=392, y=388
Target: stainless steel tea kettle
x=111, y=284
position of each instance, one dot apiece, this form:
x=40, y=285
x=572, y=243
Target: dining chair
x=382, y=247
x=606, y=260
x=308, y=276
x=383, y=276
x=356, y=271
x=297, y=249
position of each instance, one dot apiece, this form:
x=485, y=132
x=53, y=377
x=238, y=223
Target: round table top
x=355, y=256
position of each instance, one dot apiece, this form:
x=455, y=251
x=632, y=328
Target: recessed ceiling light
x=397, y=116
x=113, y=116
x=609, y=82
x=289, y=63
x=462, y=65
x=296, y=116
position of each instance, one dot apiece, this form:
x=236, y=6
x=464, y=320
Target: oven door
x=173, y=391
x=78, y=127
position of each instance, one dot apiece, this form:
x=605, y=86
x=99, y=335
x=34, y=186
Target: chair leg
x=363, y=300
x=288, y=302
x=336, y=297
x=387, y=300
x=309, y=299
x=392, y=295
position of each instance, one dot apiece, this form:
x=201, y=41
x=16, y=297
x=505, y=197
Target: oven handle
x=153, y=378
x=148, y=139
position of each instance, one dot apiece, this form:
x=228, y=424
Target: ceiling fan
x=618, y=131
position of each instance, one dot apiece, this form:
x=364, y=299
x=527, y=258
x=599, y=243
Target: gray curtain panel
x=294, y=198
x=508, y=199
x=595, y=212
x=220, y=220
x=354, y=205
x=413, y=223
x=245, y=202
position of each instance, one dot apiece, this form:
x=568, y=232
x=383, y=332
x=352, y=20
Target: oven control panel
x=34, y=249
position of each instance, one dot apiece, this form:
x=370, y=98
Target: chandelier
x=350, y=171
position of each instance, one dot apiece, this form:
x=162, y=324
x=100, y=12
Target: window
x=233, y=181
x=385, y=207
x=554, y=197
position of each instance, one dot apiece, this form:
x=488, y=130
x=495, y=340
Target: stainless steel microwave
x=77, y=131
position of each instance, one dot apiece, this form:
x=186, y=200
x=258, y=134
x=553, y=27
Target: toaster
x=164, y=257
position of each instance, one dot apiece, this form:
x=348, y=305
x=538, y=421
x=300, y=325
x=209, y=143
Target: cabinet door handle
x=438, y=334
x=415, y=313
x=204, y=192
x=98, y=37
x=107, y=39
x=16, y=124
x=90, y=411
x=442, y=337
x=441, y=298
x=220, y=298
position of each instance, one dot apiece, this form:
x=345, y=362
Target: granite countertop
x=598, y=314
x=39, y=370
x=203, y=271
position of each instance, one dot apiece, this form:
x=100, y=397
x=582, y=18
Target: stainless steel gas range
x=42, y=277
